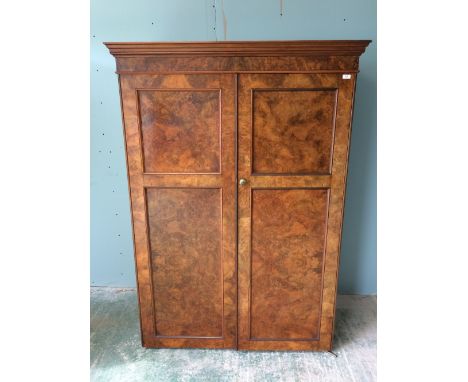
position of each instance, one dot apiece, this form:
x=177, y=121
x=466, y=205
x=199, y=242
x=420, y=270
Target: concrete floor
x=117, y=354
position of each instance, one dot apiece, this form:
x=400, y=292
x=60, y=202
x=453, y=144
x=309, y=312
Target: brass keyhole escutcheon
x=242, y=181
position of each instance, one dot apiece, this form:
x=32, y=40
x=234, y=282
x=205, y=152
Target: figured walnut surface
x=288, y=244
x=238, y=56
x=180, y=130
x=185, y=230
x=179, y=305
x=276, y=334
x=274, y=286
x=293, y=130
x=162, y=64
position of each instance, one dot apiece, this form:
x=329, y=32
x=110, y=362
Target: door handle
x=243, y=181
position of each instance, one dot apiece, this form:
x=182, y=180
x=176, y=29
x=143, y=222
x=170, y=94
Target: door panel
x=288, y=243
x=180, y=135
x=292, y=151
x=180, y=130
x=292, y=130
x=185, y=230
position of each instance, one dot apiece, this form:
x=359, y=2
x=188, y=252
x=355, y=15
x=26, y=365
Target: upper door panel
x=181, y=130
x=292, y=130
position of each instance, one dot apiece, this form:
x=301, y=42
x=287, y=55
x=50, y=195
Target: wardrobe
x=237, y=156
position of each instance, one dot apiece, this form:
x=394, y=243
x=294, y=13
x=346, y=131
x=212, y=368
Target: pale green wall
x=177, y=20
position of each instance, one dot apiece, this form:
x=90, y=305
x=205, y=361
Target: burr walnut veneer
x=237, y=158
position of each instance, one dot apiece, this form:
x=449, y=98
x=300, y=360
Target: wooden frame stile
x=131, y=207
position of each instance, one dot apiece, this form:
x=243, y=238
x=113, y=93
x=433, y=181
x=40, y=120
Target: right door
x=293, y=142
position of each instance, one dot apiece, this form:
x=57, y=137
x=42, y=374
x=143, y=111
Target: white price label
x=346, y=76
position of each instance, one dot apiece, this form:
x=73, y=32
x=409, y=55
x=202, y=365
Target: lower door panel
x=288, y=240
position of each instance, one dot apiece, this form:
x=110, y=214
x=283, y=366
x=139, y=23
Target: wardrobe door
x=180, y=137
x=292, y=161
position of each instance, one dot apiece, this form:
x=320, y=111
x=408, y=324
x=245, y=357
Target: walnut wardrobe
x=237, y=157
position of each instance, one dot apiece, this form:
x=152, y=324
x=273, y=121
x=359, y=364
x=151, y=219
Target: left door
x=180, y=144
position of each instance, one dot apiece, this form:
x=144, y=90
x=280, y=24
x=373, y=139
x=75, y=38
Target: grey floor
x=117, y=355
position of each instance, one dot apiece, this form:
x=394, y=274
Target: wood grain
x=205, y=331
x=240, y=48
x=185, y=230
x=288, y=245
x=333, y=183
x=137, y=65
x=292, y=130
x=180, y=130
x=274, y=287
